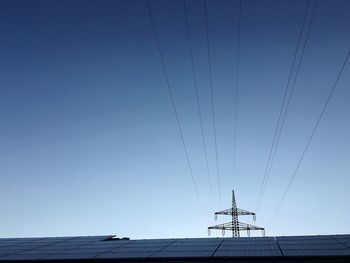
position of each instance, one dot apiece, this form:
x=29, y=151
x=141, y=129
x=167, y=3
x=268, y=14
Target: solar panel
x=181, y=254
x=190, y=248
x=253, y=247
x=250, y=253
x=323, y=237
x=312, y=246
x=42, y=252
x=102, y=247
x=193, y=244
x=70, y=256
x=125, y=255
x=135, y=249
x=23, y=257
x=317, y=252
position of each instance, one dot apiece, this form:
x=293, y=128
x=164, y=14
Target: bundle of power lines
x=303, y=37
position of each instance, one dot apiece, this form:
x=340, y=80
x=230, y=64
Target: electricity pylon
x=235, y=226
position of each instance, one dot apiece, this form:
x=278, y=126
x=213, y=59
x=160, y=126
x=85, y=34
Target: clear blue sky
x=88, y=139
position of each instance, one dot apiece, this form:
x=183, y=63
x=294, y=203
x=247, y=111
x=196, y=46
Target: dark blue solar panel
x=194, y=244
x=253, y=247
x=23, y=257
x=324, y=237
x=325, y=241
x=42, y=252
x=125, y=255
x=201, y=239
x=190, y=248
x=135, y=249
x=99, y=247
x=312, y=246
x=170, y=240
x=317, y=252
x=71, y=256
x=136, y=244
x=85, y=250
x=182, y=254
x=250, y=253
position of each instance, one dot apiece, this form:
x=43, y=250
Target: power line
x=197, y=93
x=292, y=89
x=172, y=97
x=236, y=97
x=311, y=136
x=286, y=97
x=212, y=99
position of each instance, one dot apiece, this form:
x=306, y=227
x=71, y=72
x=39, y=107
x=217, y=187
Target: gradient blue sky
x=88, y=139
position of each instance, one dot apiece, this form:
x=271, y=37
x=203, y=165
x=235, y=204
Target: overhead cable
x=311, y=136
x=236, y=94
x=212, y=100
x=289, y=90
x=197, y=93
x=172, y=98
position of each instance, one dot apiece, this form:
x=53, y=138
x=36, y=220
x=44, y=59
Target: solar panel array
x=331, y=245
x=105, y=247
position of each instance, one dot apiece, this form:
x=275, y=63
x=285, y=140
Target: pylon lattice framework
x=235, y=226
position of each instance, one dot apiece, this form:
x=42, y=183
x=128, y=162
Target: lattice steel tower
x=235, y=226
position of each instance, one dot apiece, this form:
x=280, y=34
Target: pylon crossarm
x=241, y=227
x=244, y=226
x=240, y=212
x=227, y=226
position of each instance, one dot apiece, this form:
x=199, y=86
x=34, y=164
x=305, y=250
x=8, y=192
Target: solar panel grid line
x=69, y=253
x=341, y=236
x=344, y=241
x=27, y=250
x=108, y=251
x=212, y=255
x=160, y=250
x=139, y=249
x=279, y=247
